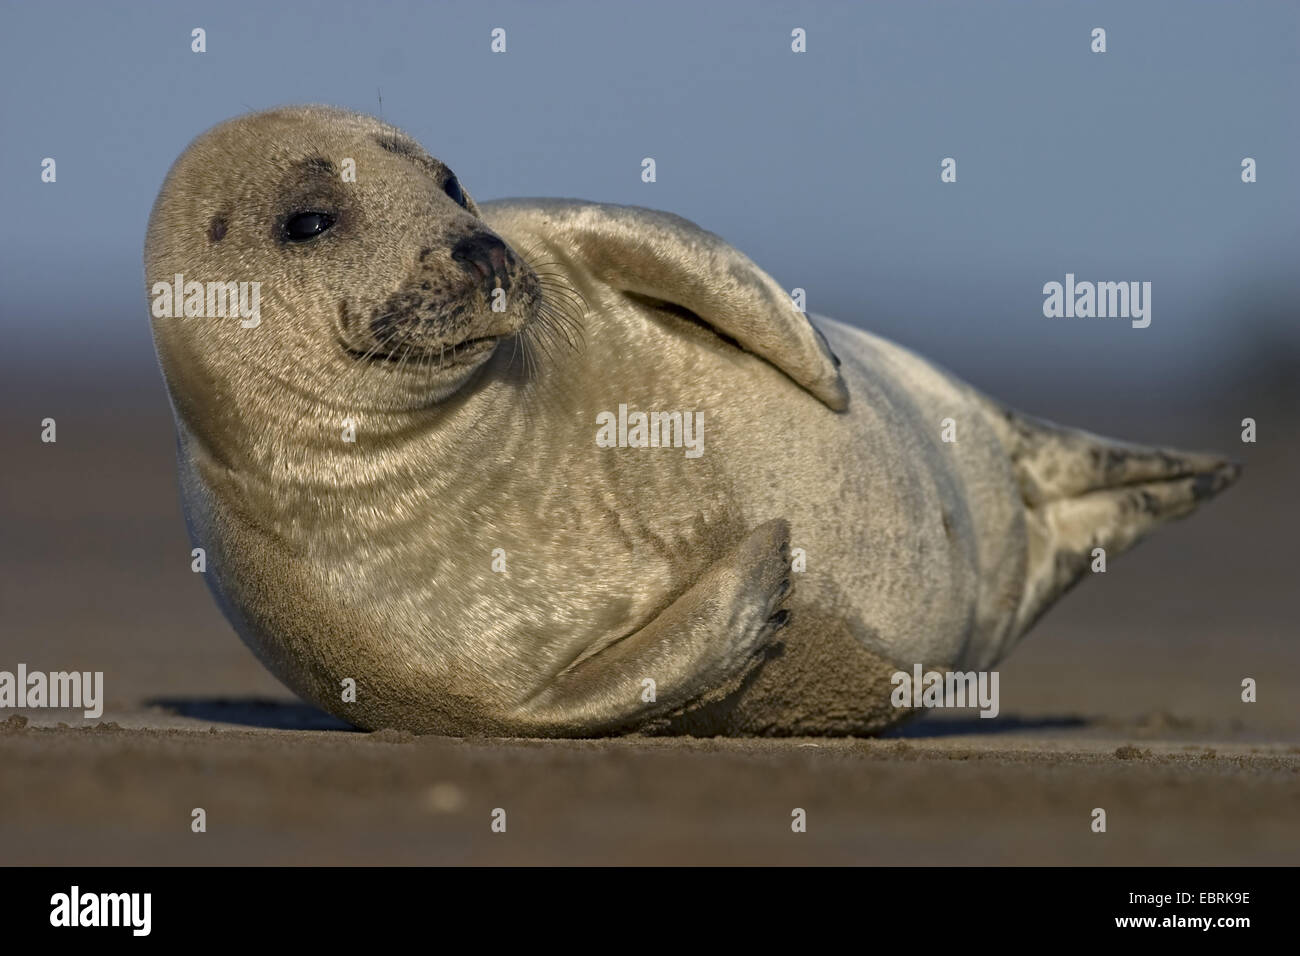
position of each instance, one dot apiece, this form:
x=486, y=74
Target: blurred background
x=822, y=166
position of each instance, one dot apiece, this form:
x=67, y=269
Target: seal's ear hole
x=217, y=228
x=302, y=226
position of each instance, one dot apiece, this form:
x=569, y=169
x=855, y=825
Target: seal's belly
x=885, y=536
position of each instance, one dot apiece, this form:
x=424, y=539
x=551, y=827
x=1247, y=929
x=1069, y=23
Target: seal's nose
x=483, y=253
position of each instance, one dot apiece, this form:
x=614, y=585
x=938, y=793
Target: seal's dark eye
x=452, y=188
x=307, y=225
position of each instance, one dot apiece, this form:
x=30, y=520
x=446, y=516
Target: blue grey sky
x=822, y=166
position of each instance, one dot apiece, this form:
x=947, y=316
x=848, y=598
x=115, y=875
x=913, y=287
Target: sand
x=1126, y=697
x=114, y=795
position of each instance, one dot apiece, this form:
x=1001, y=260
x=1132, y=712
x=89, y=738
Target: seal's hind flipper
x=1083, y=492
x=663, y=257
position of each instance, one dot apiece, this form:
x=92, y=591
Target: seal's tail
x=1084, y=492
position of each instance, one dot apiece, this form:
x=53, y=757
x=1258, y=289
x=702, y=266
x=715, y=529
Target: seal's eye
x=307, y=225
x=452, y=188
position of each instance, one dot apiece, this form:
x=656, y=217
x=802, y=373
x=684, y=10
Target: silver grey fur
x=475, y=431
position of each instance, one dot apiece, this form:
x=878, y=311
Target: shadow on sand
x=928, y=726
x=295, y=715
x=252, y=712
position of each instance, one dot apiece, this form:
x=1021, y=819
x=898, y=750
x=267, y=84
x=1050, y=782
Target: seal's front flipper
x=663, y=257
x=707, y=637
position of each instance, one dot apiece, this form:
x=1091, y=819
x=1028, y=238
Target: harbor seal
x=552, y=468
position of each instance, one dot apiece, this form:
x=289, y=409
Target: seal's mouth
x=449, y=313
x=449, y=356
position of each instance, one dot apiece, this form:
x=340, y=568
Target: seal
x=551, y=467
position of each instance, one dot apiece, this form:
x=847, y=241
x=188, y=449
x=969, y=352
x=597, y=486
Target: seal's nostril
x=484, y=253
x=482, y=266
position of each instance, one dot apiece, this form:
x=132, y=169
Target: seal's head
x=345, y=245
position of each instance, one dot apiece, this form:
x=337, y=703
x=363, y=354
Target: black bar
x=330, y=905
